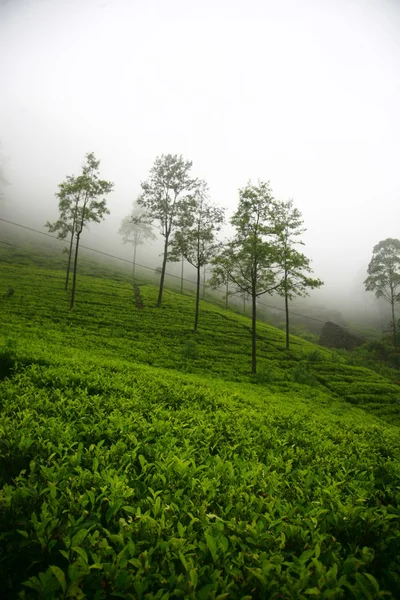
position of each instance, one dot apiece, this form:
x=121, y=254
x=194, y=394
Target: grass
x=140, y=460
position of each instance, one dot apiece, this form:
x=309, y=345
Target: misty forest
x=199, y=300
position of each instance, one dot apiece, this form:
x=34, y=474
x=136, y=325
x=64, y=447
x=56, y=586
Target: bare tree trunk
x=71, y=305
x=71, y=244
x=134, y=261
x=70, y=247
x=196, y=315
x=227, y=292
x=69, y=260
x=164, y=265
x=253, y=332
x=287, y=313
x=395, y=344
x=182, y=276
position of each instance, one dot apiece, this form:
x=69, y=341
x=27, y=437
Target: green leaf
x=204, y=592
x=314, y=591
x=23, y=533
x=193, y=578
x=79, y=537
x=258, y=574
x=212, y=545
x=53, y=490
x=366, y=585
x=373, y=581
x=129, y=510
x=34, y=584
x=81, y=553
x=60, y=576
x=306, y=555
x=74, y=591
x=223, y=543
x=183, y=561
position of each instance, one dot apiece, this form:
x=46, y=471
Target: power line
x=151, y=269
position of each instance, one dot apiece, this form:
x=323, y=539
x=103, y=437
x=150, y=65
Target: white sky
x=303, y=93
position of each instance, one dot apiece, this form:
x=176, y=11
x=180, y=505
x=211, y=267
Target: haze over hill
x=303, y=94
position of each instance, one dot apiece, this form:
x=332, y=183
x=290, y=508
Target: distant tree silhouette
x=384, y=277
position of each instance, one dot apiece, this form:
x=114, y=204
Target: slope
x=140, y=461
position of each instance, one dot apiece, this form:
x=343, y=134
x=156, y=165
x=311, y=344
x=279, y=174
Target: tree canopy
x=250, y=260
x=164, y=198
x=196, y=239
x=81, y=200
x=384, y=277
x=296, y=267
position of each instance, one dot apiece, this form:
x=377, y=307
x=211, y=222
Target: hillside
x=139, y=460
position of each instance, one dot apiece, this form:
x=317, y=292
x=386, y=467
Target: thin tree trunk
x=227, y=292
x=78, y=235
x=70, y=246
x=395, y=344
x=287, y=313
x=164, y=265
x=196, y=315
x=204, y=281
x=134, y=261
x=69, y=259
x=182, y=276
x=253, y=333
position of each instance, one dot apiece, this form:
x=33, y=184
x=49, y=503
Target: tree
x=196, y=238
x=69, y=196
x=250, y=259
x=135, y=232
x=164, y=198
x=384, y=277
x=80, y=203
x=294, y=264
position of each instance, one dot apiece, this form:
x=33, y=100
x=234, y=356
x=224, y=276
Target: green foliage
x=384, y=270
x=301, y=374
x=80, y=203
x=384, y=277
x=79, y=200
x=190, y=350
x=249, y=260
x=143, y=483
x=200, y=220
x=295, y=265
x=120, y=479
x=165, y=198
x=195, y=240
x=315, y=356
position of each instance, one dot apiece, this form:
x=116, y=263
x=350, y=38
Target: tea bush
x=121, y=476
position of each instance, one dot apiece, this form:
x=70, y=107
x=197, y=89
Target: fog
x=302, y=93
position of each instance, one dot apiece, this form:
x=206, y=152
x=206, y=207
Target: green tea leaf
x=60, y=576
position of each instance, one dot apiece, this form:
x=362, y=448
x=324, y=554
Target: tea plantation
x=139, y=460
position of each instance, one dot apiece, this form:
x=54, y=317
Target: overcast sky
x=305, y=94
